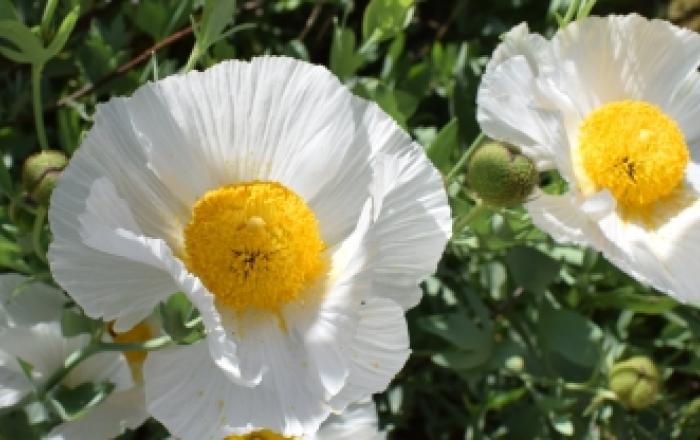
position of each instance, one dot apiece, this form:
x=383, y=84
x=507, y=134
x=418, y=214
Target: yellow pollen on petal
x=635, y=151
x=259, y=435
x=254, y=245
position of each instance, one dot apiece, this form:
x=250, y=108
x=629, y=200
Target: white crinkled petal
x=509, y=109
x=684, y=109
x=520, y=42
x=379, y=350
x=120, y=411
x=358, y=422
x=287, y=401
x=110, y=268
x=24, y=301
x=603, y=59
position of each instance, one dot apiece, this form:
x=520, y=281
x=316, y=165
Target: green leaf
x=175, y=313
x=625, y=298
x=15, y=425
x=26, y=367
x=64, y=31
x=472, y=338
x=8, y=11
x=28, y=44
x=73, y=403
x=383, y=19
x=532, y=269
x=445, y=143
x=74, y=323
x=571, y=335
x=216, y=16
x=344, y=61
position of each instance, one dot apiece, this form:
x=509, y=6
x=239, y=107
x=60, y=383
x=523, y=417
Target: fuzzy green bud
x=501, y=176
x=635, y=382
x=41, y=173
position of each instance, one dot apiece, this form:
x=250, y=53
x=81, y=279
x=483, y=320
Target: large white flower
x=30, y=330
x=297, y=218
x=613, y=104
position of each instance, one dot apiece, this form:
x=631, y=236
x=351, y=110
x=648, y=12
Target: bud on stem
x=500, y=176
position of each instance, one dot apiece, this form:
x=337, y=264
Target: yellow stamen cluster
x=635, y=151
x=259, y=435
x=254, y=245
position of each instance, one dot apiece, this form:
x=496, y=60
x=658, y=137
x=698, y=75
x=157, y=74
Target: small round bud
x=41, y=173
x=635, y=382
x=501, y=176
x=515, y=363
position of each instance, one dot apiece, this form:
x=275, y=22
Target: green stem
x=36, y=101
x=36, y=233
x=192, y=60
x=464, y=221
x=150, y=345
x=464, y=159
x=71, y=362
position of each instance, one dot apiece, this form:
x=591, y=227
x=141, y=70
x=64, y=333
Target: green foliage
x=516, y=334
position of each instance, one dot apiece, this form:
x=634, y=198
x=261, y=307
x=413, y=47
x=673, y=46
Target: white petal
x=410, y=226
x=562, y=218
x=519, y=41
x=510, y=109
x=24, y=301
x=603, y=59
x=120, y=411
x=684, y=109
x=185, y=377
x=358, y=422
x=105, y=264
x=379, y=351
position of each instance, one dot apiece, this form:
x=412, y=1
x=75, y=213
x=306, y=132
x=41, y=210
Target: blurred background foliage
x=516, y=335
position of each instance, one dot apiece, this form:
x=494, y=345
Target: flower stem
x=150, y=345
x=36, y=233
x=462, y=222
x=464, y=159
x=36, y=101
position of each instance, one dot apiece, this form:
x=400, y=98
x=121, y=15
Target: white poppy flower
x=613, y=104
x=30, y=330
x=357, y=422
x=297, y=218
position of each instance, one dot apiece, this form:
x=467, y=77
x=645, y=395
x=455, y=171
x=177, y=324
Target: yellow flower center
x=140, y=333
x=253, y=245
x=635, y=151
x=259, y=435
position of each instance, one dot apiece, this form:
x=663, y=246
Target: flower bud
x=501, y=176
x=41, y=173
x=635, y=382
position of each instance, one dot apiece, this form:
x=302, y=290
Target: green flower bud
x=41, y=173
x=635, y=382
x=501, y=176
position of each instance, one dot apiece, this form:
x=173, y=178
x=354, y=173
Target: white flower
x=357, y=422
x=30, y=330
x=297, y=218
x=613, y=104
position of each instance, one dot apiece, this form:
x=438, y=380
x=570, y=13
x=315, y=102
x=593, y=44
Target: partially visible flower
x=297, y=218
x=30, y=330
x=357, y=422
x=613, y=105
